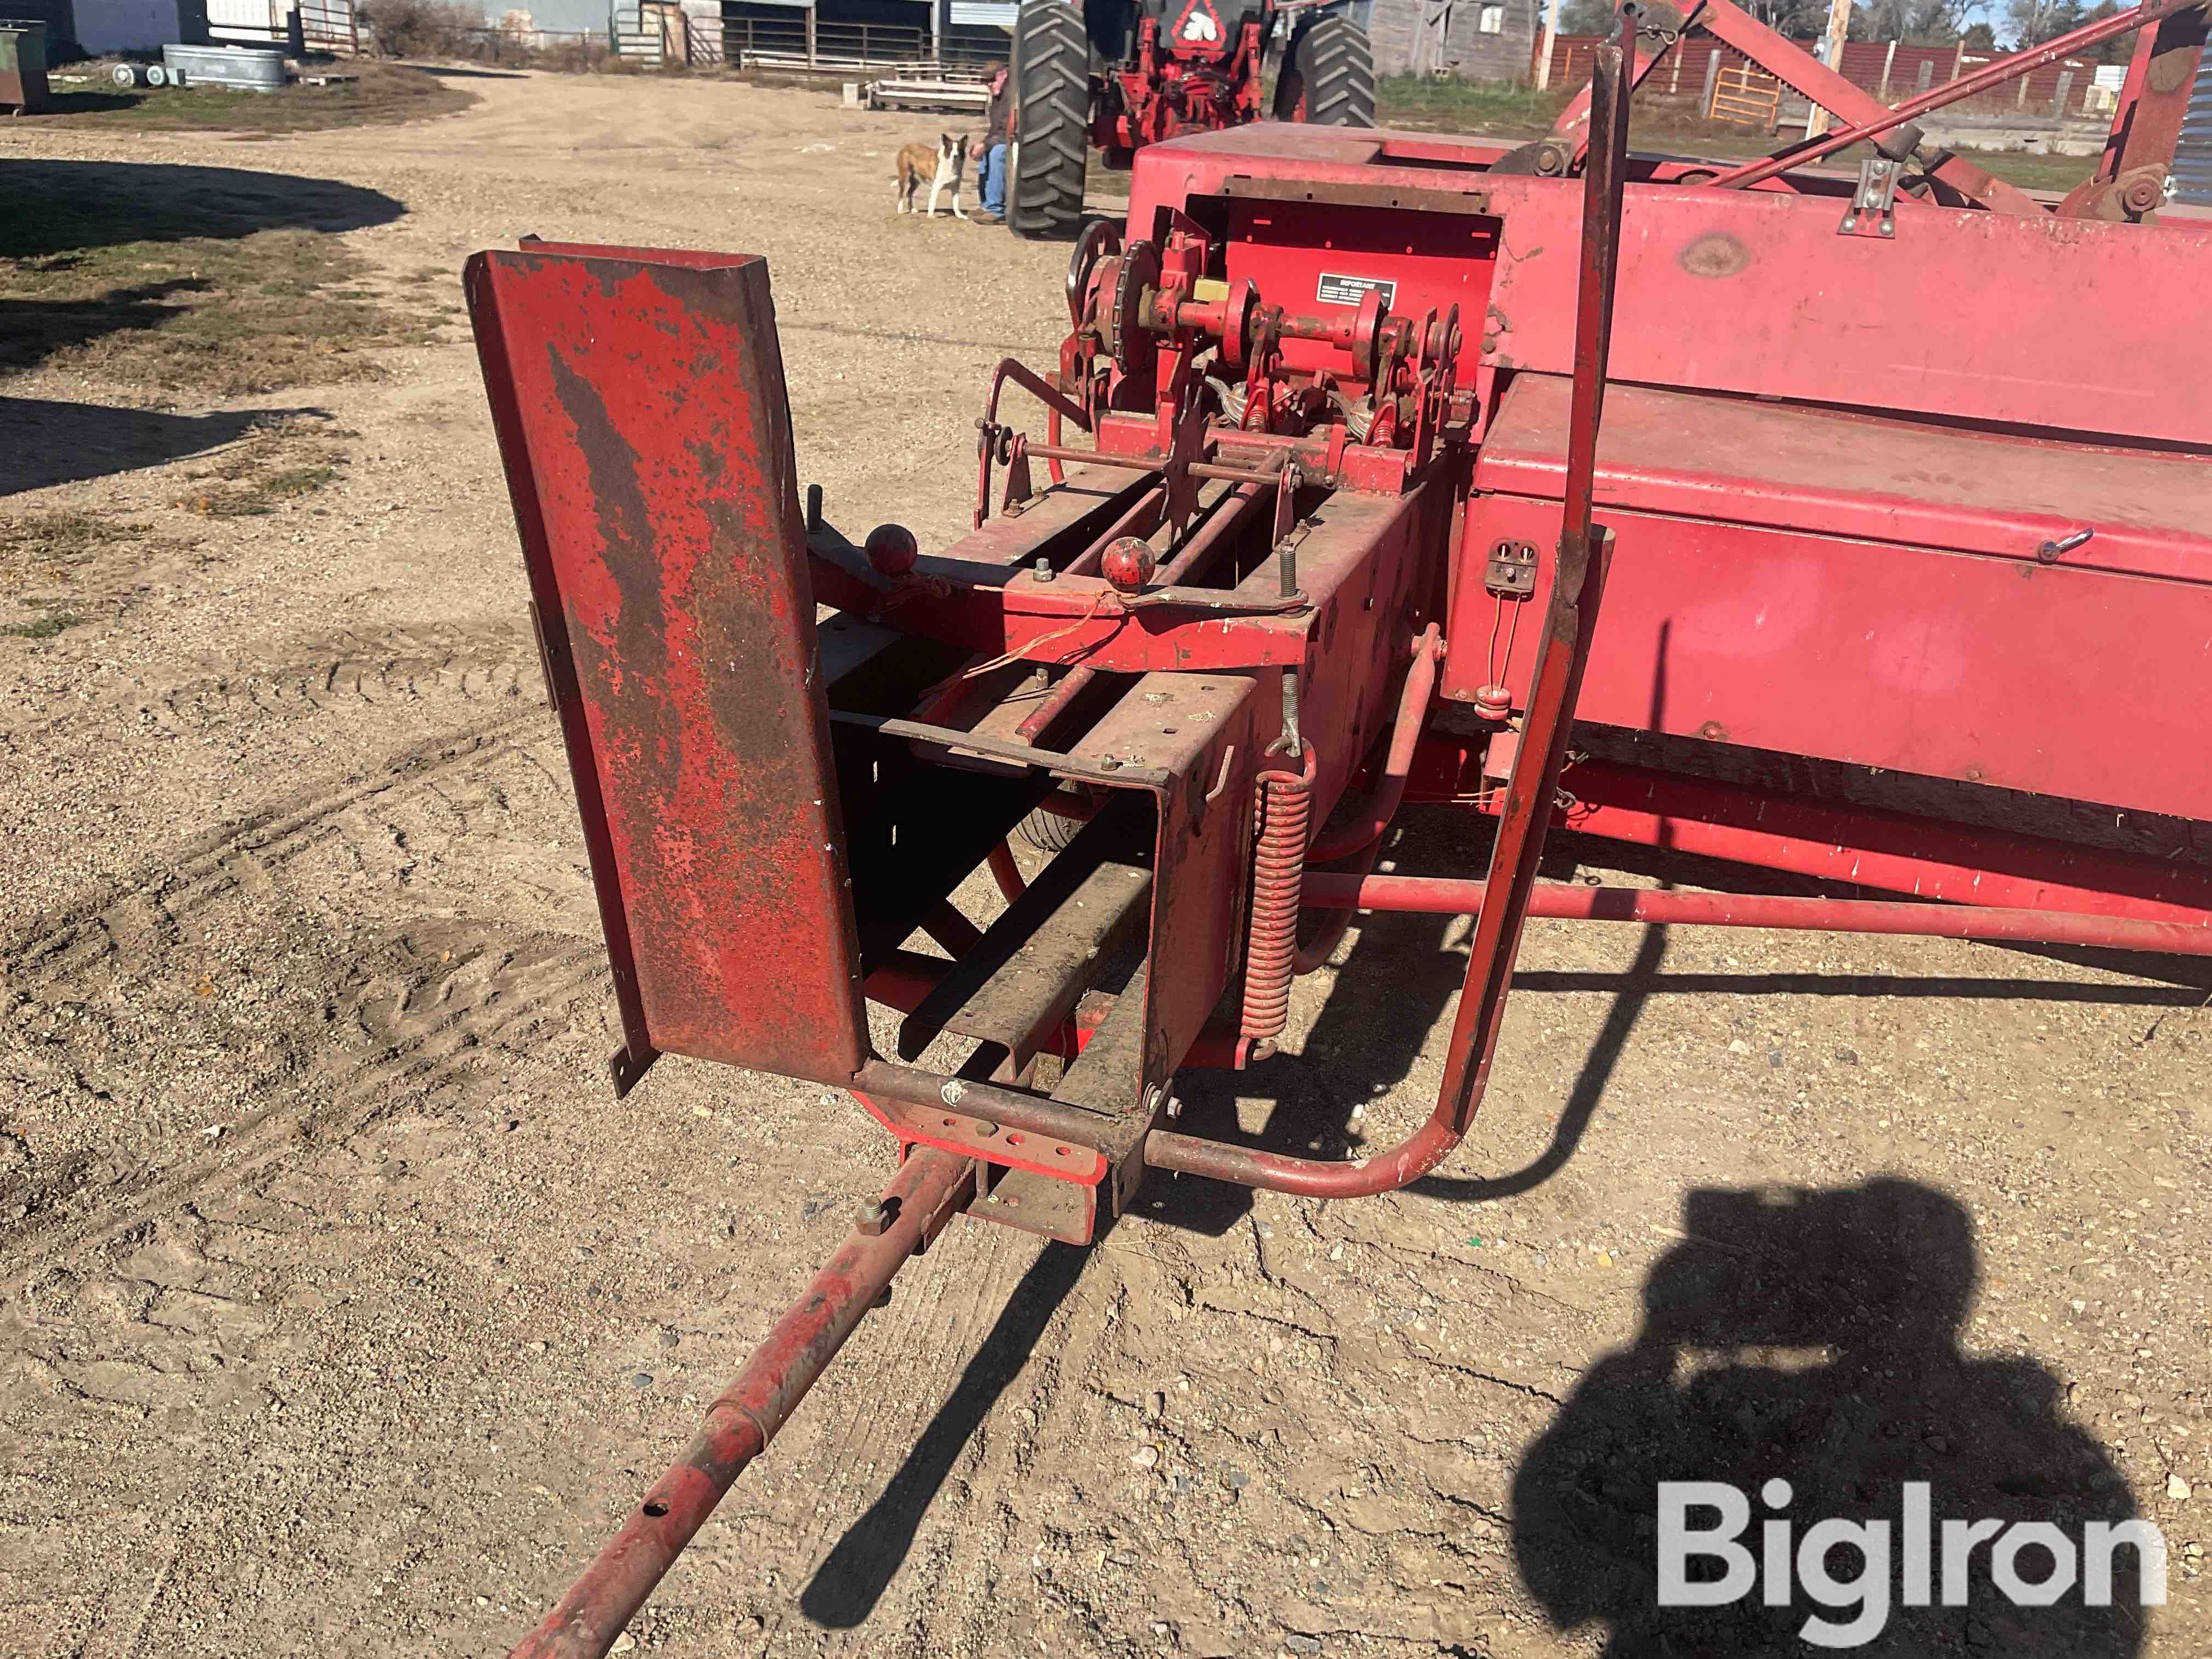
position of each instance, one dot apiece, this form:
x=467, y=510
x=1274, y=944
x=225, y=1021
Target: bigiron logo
x=1934, y=1559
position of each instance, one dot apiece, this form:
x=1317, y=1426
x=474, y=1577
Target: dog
x=941, y=166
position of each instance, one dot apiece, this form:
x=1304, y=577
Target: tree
x=1595, y=17
x=2030, y=22
x=1979, y=37
x=1915, y=22
x=2120, y=47
x=1586, y=17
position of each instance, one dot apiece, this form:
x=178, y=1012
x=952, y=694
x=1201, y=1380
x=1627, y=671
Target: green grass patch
x=42, y=627
x=1424, y=104
x=384, y=93
x=257, y=478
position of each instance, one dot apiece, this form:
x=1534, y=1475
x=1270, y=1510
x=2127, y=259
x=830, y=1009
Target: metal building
x=2192, y=156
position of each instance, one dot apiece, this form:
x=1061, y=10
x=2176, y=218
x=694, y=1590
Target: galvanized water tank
x=240, y=68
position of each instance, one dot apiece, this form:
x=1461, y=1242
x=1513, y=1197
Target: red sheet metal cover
x=639, y=400
x=1838, y=474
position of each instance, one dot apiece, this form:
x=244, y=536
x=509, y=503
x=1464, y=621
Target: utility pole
x=1832, y=54
x=1551, y=34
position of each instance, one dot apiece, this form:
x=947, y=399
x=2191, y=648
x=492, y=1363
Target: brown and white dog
x=940, y=168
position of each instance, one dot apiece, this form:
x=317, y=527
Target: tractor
x=1776, y=517
x=1121, y=74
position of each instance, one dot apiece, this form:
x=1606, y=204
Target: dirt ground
x=344, y=1310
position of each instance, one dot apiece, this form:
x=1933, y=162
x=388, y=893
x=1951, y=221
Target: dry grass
x=385, y=92
x=42, y=550
x=215, y=316
x=283, y=464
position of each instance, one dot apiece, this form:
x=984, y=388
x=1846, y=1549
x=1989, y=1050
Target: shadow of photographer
x=1802, y=1347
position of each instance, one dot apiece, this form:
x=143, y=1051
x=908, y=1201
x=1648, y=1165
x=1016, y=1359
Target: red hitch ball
x=1128, y=564
x=891, y=548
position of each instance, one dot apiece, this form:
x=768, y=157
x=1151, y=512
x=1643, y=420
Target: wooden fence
x=1890, y=69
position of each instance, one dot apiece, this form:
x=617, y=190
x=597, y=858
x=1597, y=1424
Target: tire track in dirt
x=118, y=916
x=404, y=1007
x=400, y=665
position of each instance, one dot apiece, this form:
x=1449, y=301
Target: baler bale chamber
x=1858, y=530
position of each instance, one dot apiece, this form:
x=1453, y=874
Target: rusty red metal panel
x=1911, y=659
x=1206, y=732
x=640, y=407
x=1863, y=592
x=1859, y=476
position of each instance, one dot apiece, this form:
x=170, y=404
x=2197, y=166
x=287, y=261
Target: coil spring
x=1283, y=802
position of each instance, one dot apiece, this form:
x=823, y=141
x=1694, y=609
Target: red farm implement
x=1122, y=74
x=1855, y=529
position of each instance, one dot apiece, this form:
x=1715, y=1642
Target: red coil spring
x=1283, y=801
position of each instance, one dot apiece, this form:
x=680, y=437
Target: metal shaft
x=930, y=1187
x=1995, y=74
x=1444, y=896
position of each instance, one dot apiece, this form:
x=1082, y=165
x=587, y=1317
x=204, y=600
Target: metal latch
x=1876, y=198
x=1510, y=572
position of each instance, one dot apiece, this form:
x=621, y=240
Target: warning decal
x=1338, y=290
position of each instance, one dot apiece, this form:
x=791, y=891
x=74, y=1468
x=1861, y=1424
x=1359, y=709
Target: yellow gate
x=1748, y=97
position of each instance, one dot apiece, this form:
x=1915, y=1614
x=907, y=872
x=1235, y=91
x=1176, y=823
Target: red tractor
x=1122, y=74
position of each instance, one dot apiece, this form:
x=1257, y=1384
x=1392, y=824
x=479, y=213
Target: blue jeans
x=994, y=179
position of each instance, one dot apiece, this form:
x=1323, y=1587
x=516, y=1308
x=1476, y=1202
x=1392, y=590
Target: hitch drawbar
x=931, y=1189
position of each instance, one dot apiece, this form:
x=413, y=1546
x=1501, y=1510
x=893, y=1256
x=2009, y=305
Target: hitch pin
x=2049, y=552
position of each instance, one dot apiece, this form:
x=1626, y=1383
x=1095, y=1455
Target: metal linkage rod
x=931, y=1187
x=1229, y=517
x=1364, y=830
x=1996, y=73
x=1445, y=895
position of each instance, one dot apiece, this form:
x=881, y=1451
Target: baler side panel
x=1948, y=665
x=1988, y=317
x=1966, y=658
x=641, y=411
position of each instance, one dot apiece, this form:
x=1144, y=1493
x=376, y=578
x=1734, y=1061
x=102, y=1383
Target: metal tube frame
x=1995, y=74
x=1448, y=896
x=1568, y=625
x=931, y=1188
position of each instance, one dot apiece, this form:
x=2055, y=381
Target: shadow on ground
x=852, y=1578
x=67, y=442
x=1810, y=1339
x=48, y=207
x=454, y=71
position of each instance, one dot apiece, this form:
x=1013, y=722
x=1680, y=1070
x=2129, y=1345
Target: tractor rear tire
x=1329, y=75
x=1052, y=123
x=1048, y=832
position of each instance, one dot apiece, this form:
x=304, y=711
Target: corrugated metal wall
x=2192, y=156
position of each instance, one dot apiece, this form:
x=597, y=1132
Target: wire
x=1021, y=653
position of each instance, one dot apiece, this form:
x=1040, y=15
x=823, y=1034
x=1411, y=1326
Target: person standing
x=991, y=148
